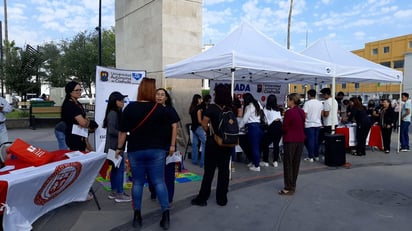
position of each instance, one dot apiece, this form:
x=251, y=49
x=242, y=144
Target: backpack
x=227, y=134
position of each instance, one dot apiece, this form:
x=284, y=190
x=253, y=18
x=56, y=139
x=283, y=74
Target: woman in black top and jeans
x=215, y=156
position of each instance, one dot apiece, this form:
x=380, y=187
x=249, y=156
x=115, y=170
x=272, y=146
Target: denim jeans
x=150, y=161
x=61, y=139
x=117, y=177
x=199, y=134
x=404, y=134
x=3, y=133
x=254, y=134
x=312, y=141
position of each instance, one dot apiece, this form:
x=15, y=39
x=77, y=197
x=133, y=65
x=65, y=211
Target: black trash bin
x=335, y=150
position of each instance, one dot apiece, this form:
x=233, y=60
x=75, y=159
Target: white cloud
x=214, y=2
x=359, y=35
x=403, y=14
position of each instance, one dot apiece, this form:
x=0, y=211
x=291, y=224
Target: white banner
x=108, y=80
x=260, y=91
x=34, y=191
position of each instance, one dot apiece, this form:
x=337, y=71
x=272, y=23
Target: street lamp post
x=99, y=30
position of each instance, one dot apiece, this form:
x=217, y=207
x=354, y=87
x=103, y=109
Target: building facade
x=153, y=33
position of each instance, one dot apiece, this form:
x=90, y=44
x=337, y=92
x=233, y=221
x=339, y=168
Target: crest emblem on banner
x=63, y=176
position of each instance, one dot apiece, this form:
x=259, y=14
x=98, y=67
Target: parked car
x=36, y=99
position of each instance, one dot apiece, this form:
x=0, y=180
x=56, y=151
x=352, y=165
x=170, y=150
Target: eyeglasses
x=77, y=90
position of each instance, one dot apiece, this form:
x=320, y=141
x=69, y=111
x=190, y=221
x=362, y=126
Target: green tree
x=52, y=65
x=56, y=63
x=22, y=70
x=80, y=56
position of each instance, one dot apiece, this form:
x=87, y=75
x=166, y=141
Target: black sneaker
x=198, y=203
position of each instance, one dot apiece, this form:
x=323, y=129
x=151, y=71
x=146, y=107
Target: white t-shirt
x=250, y=115
x=313, y=110
x=272, y=115
x=327, y=106
x=407, y=105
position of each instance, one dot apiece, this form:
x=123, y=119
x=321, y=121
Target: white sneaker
x=255, y=169
x=123, y=197
x=264, y=164
x=112, y=196
x=275, y=164
x=316, y=158
x=308, y=159
x=250, y=164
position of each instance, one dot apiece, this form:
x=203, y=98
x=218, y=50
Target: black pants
x=386, y=138
x=273, y=135
x=361, y=135
x=215, y=157
x=291, y=163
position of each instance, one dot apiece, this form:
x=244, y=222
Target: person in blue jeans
x=313, y=122
x=111, y=120
x=196, y=112
x=60, y=133
x=405, y=122
x=163, y=98
x=251, y=120
x=143, y=122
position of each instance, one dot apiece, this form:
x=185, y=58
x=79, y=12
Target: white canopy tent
x=349, y=67
x=247, y=54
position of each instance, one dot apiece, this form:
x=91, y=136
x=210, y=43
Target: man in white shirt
x=405, y=122
x=327, y=112
x=4, y=108
x=313, y=110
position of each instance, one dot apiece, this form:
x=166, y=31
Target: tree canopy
x=57, y=63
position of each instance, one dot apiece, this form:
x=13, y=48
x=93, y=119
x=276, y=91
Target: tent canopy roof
x=253, y=57
x=350, y=67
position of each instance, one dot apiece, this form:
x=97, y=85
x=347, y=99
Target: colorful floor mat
x=181, y=177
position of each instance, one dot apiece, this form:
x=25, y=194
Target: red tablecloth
x=344, y=131
x=374, y=138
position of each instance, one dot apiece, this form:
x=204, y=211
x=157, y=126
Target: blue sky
x=350, y=23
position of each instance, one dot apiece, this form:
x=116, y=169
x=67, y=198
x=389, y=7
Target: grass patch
x=18, y=114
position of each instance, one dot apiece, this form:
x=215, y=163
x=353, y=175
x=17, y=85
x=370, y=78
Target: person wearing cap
x=111, y=120
x=4, y=108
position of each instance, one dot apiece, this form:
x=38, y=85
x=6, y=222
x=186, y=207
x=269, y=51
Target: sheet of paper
x=111, y=155
x=80, y=131
x=7, y=168
x=175, y=158
x=74, y=154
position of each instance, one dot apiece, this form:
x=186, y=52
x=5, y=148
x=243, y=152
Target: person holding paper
x=111, y=120
x=144, y=120
x=163, y=98
x=74, y=115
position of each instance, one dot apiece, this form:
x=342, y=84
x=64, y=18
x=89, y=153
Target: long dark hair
x=356, y=103
x=168, y=100
x=223, y=96
x=272, y=103
x=247, y=99
x=195, y=100
x=112, y=106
